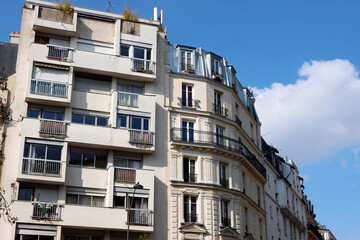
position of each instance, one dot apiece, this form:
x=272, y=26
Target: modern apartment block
x=284, y=201
x=83, y=146
x=216, y=178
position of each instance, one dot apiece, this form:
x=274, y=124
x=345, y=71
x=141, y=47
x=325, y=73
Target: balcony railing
x=187, y=67
x=125, y=175
x=220, y=110
x=191, y=103
x=141, y=137
x=190, y=217
x=52, y=128
x=60, y=53
x=142, y=65
x=211, y=138
x=313, y=229
x=48, y=88
x=141, y=217
x=55, y=15
x=34, y=166
x=47, y=211
x=224, y=182
x=128, y=99
x=226, y=222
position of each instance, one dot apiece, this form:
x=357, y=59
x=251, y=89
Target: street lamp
x=136, y=186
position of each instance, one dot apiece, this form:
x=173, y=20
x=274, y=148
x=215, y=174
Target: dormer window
x=215, y=66
x=186, y=63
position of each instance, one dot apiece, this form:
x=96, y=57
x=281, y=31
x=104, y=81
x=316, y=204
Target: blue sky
x=309, y=49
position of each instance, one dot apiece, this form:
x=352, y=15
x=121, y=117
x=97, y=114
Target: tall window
x=189, y=170
x=215, y=66
x=258, y=196
x=186, y=96
x=187, y=131
x=186, y=62
x=225, y=216
x=217, y=103
x=190, y=209
x=128, y=94
x=139, y=123
x=141, y=59
x=224, y=182
x=220, y=136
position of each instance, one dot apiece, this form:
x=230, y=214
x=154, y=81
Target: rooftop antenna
x=109, y=6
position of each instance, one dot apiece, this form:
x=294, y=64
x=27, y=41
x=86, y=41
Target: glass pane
x=101, y=121
x=30, y=237
x=119, y=201
x=146, y=124
x=38, y=151
x=139, y=53
x=88, y=160
x=124, y=51
x=76, y=118
x=148, y=54
x=25, y=194
x=54, y=153
x=72, y=198
x=75, y=158
x=26, y=150
x=98, y=201
x=85, y=200
x=121, y=163
x=135, y=164
x=121, y=121
x=33, y=113
x=46, y=238
x=49, y=115
x=59, y=116
x=136, y=123
x=101, y=161
x=90, y=120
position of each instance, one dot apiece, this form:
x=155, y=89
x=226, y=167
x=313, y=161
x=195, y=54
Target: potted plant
x=217, y=76
x=190, y=69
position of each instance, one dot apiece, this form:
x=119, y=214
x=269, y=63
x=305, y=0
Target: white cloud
x=306, y=177
x=315, y=116
x=343, y=163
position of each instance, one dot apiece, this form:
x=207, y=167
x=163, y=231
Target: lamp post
x=136, y=186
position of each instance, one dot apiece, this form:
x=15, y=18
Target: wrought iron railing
x=128, y=99
x=224, y=182
x=141, y=137
x=60, y=53
x=53, y=128
x=313, y=229
x=34, y=166
x=220, y=110
x=211, y=138
x=142, y=65
x=48, y=211
x=48, y=88
x=191, y=103
x=190, y=217
x=141, y=217
x=226, y=222
x=125, y=175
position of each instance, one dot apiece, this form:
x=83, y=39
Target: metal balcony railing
x=125, y=175
x=48, y=88
x=47, y=211
x=141, y=137
x=224, y=182
x=60, y=53
x=52, y=128
x=141, y=217
x=211, y=138
x=34, y=166
x=313, y=229
x=190, y=217
x=128, y=99
x=220, y=110
x=142, y=65
x=191, y=103
x=226, y=222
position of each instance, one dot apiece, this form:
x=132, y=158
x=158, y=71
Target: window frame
x=96, y=155
x=186, y=56
x=84, y=194
x=187, y=95
x=84, y=115
x=189, y=203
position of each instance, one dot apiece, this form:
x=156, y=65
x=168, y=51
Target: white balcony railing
x=60, y=53
x=125, y=175
x=127, y=99
x=142, y=65
x=141, y=137
x=53, y=128
x=34, y=166
x=141, y=217
x=48, y=88
x=47, y=211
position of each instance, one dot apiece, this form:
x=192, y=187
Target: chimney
x=155, y=14
x=15, y=37
x=161, y=16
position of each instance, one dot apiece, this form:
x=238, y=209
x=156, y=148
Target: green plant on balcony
x=217, y=76
x=64, y=6
x=130, y=15
x=143, y=237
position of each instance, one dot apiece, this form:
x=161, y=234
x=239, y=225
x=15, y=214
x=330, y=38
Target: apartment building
x=83, y=147
x=313, y=233
x=326, y=233
x=216, y=178
x=284, y=201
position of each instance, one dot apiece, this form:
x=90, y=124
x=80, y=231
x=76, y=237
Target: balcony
x=141, y=217
x=141, y=137
x=34, y=166
x=144, y=66
x=313, y=229
x=49, y=88
x=220, y=110
x=190, y=103
x=47, y=211
x=60, y=53
x=179, y=135
x=226, y=222
x=125, y=175
x=224, y=182
x=52, y=128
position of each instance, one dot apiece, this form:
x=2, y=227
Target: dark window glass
x=139, y=53
x=101, y=121
x=101, y=161
x=49, y=115
x=46, y=238
x=26, y=194
x=88, y=160
x=119, y=201
x=72, y=198
x=38, y=151
x=41, y=39
x=136, y=123
x=29, y=237
x=124, y=51
x=59, y=116
x=76, y=118
x=75, y=158
x=148, y=54
x=121, y=121
x=90, y=120
x=54, y=153
x=26, y=150
x=146, y=124
x=33, y=113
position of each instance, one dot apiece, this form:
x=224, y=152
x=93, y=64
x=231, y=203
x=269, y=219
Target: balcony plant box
x=190, y=70
x=218, y=77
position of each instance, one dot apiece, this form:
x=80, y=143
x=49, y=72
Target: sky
x=301, y=58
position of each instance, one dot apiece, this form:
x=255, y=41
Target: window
x=124, y=50
x=220, y=136
x=26, y=193
x=244, y=182
x=128, y=163
x=32, y=237
x=139, y=123
x=187, y=131
x=189, y=170
x=88, y=159
x=119, y=201
x=128, y=94
x=217, y=103
x=40, y=151
x=225, y=217
x=258, y=196
x=224, y=182
x=186, y=96
x=138, y=203
x=41, y=39
x=246, y=220
x=89, y=120
x=46, y=114
x=190, y=209
x=142, y=53
x=215, y=66
x=121, y=121
x=86, y=200
x=278, y=218
x=186, y=61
